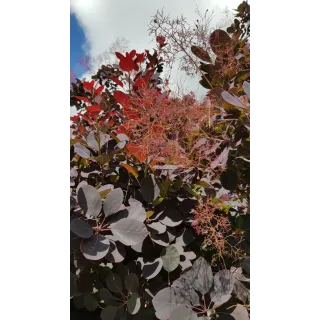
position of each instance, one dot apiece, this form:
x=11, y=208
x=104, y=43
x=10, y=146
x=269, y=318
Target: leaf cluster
x=142, y=223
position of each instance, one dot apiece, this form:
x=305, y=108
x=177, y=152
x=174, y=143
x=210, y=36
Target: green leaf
x=104, y=193
x=239, y=223
x=242, y=75
x=165, y=186
x=106, y=296
x=102, y=159
x=114, y=282
x=90, y=302
x=203, y=184
x=73, y=141
x=191, y=191
x=149, y=214
x=134, y=303
x=131, y=282
x=177, y=184
x=157, y=201
x=109, y=313
x=78, y=301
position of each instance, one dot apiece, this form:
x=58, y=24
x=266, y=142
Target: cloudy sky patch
x=102, y=21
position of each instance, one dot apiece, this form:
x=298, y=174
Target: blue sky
x=77, y=40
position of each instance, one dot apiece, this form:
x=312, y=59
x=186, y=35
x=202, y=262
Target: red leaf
x=149, y=74
x=140, y=57
x=84, y=117
x=126, y=64
x=122, y=98
x=111, y=123
x=104, y=119
x=117, y=81
x=157, y=129
x=94, y=109
x=137, y=151
x=132, y=54
x=82, y=98
x=88, y=85
x=131, y=114
x=99, y=90
x=161, y=39
x=123, y=128
x=74, y=118
x=141, y=82
x=94, y=116
x=126, y=126
x=81, y=129
x=120, y=56
x=136, y=67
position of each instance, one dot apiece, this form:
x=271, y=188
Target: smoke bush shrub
x=159, y=187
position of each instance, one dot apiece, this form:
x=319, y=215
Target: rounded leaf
x=203, y=277
x=164, y=302
x=200, y=53
x=157, y=227
x=95, y=248
x=90, y=302
x=114, y=282
x=122, y=137
x=229, y=179
x=149, y=189
x=81, y=228
x=92, y=142
x=109, y=313
x=171, y=217
x=233, y=100
x=137, y=213
x=186, y=236
x=134, y=202
x=129, y=231
x=219, y=39
x=172, y=233
x=82, y=151
x=78, y=301
x=116, y=253
x=131, y=282
x=160, y=239
x=182, y=312
x=113, y=201
x=134, y=303
x=223, y=287
x=106, y=296
x=89, y=200
x=152, y=269
x=199, y=278
x=240, y=313
x=170, y=257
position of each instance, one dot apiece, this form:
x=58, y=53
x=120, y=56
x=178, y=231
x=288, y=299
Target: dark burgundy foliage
x=159, y=211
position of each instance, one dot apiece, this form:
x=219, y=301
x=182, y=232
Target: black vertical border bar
x=253, y=160
x=67, y=257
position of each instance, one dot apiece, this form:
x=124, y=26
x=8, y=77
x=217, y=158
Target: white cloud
x=104, y=20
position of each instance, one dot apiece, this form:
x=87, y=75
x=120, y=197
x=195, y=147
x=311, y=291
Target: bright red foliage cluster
x=130, y=61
